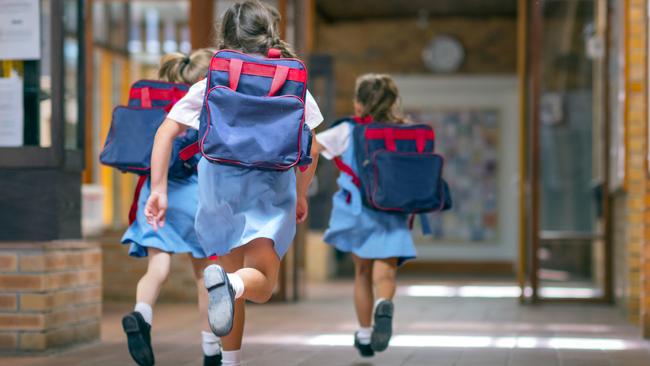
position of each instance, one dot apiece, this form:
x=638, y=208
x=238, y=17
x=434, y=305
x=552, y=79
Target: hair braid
x=379, y=97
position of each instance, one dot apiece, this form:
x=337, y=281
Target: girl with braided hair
x=378, y=241
x=245, y=216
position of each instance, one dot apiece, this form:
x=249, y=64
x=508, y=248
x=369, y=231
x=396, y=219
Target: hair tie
x=186, y=60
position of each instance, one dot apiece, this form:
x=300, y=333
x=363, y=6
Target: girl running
x=178, y=236
x=245, y=216
x=379, y=241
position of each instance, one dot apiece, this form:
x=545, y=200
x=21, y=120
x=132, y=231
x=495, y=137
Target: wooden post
x=89, y=155
x=304, y=19
x=202, y=23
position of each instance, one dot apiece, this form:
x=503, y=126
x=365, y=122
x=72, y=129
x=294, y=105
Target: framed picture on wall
x=468, y=138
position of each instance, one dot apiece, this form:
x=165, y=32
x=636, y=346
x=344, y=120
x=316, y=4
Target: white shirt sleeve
x=187, y=110
x=335, y=140
x=313, y=117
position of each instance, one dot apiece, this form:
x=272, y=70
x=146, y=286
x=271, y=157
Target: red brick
x=32, y=263
x=33, y=341
x=21, y=282
x=8, y=341
x=17, y=321
x=8, y=262
x=8, y=302
x=35, y=302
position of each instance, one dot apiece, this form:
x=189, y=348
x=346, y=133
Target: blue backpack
x=133, y=128
x=254, y=112
x=398, y=170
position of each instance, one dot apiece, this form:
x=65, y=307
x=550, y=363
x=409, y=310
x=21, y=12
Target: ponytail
x=180, y=68
x=379, y=97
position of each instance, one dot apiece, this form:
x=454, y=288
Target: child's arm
x=303, y=179
x=162, y=148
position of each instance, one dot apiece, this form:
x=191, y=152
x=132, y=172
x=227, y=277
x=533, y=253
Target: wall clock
x=444, y=54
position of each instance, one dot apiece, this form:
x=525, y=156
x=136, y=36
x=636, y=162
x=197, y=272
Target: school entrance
x=539, y=107
x=521, y=115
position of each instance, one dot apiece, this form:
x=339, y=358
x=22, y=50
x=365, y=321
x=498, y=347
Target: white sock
x=145, y=310
x=231, y=358
x=210, y=343
x=377, y=303
x=364, y=334
x=237, y=284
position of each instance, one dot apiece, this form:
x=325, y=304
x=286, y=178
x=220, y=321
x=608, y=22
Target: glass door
x=567, y=151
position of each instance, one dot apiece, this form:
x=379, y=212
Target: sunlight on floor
x=494, y=291
x=452, y=341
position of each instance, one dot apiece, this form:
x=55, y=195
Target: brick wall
x=632, y=208
x=50, y=295
x=122, y=272
x=395, y=46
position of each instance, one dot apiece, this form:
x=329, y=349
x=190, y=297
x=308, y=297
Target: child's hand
x=155, y=209
x=302, y=209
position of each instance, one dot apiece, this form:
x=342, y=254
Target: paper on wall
x=20, y=30
x=11, y=111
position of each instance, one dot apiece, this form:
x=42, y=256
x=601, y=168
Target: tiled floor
x=431, y=331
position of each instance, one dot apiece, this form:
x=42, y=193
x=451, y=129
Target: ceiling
x=344, y=10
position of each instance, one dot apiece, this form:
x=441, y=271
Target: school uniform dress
x=237, y=205
x=177, y=235
x=354, y=227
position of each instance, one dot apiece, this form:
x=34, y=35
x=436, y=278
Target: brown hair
x=252, y=27
x=379, y=97
x=181, y=68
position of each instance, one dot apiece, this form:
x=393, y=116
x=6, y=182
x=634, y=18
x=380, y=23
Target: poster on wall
x=469, y=141
x=11, y=105
x=20, y=30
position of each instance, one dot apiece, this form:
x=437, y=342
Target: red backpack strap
x=235, y=68
x=362, y=120
x=274, y=53
x=145, y=98
x=279, y=79
x=345, y=168
x=133, y=211
x=188, y=151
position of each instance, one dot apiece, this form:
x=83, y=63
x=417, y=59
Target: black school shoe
x=383, y=328
x=212, y=360
x=221, y=300
x=138, y=334
x=364, y=349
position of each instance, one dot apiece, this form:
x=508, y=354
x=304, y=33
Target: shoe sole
x=138, y=348
x=221, y=305
x=383, y=329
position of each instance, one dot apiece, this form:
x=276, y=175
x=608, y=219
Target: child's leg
x=363, y=302
x=384, y=272
x=363, y=297
x=209, y=342
x=232, y=262
x=149, y=285
x=260, y=271
x=254, y=281
x=137, y=324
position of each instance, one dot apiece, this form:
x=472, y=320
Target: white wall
x=468, y=92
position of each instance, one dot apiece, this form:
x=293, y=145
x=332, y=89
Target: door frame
x=530, y=32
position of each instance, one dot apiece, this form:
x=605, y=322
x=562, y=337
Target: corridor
x=437, y=324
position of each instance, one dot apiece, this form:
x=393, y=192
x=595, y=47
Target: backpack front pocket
x=253, y=131
x=405, y=181
x=130, y=140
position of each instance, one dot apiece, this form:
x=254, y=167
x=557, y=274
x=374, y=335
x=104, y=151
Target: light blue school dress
x=177, y=236
x=237, y=205
x=368, y=233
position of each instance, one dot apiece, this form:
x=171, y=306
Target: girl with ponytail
x=176, y=237
x=378, y=241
